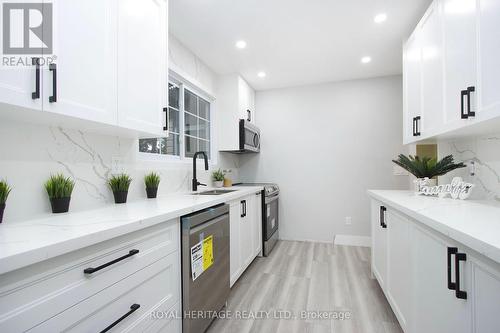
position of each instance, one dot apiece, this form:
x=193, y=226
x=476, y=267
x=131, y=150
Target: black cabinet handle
x=36, y=63
x=417, y=126
x=470, y=113
x=242, y=208
x=53, y=69
x=451, y=251
x=249, y=115
x=463, y=114
x=459, y=293
x=91, y=270
x=133, y=308
x=165, y=128
x=382, y=217
x=414, y=130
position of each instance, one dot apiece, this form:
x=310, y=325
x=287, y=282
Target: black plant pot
x=120, y=196
x=151, y=192
x=2, y=208
x=60, y=205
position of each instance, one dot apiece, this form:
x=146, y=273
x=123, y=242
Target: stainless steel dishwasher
x=205, y=266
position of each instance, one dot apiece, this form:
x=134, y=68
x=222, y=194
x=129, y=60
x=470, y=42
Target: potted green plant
x=152, y=181
x=119, y=184
x=4, y=194
x=59, y=189
x=218, y=177
x=427, y=167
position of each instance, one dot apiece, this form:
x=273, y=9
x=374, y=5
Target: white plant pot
x=424, y=182
x=218, y=184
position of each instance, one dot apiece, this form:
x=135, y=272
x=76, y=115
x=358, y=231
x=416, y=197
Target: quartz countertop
x=475, y=224
x=28, y=242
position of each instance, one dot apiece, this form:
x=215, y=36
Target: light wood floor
x=312, y=277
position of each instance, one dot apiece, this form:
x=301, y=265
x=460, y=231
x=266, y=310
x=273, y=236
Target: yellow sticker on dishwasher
x=208, y=252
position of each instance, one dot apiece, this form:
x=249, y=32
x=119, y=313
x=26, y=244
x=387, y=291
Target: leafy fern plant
x=426, y=166
x=152, y=180
x=4, y=191
x=120, y=183
x=218, y=175
x=58, y=186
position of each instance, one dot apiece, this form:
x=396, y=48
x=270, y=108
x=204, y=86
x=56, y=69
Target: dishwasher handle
x=208, y=224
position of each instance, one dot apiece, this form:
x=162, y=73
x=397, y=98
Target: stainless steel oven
x=249, y=137
x=270, y=219
x=270, y=215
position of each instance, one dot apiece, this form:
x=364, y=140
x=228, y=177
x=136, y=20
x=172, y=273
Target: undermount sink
x=213, y=192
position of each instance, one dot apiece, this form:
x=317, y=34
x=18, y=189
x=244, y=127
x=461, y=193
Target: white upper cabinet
x=246, y=101
x=460, y=56
x=109, y=69
x=235, y=101
x=412, y=87
x=142, y=64
x=82, y=81
x=489, y=59
x=459, y=73
x=431, y=39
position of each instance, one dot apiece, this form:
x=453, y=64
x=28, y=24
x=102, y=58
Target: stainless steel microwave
x=249, y=137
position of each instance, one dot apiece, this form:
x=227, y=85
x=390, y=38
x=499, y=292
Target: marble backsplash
x=484, y=153
x=29, y=153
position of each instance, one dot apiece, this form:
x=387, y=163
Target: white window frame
x=183, y=84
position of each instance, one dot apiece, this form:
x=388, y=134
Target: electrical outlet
x=348, y=220
x=116, y=165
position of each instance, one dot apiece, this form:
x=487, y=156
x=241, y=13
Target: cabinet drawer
x=33, y=294
x=155, y=287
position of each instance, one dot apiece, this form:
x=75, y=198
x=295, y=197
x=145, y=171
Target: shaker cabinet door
x=82, y=81
x=142, y=65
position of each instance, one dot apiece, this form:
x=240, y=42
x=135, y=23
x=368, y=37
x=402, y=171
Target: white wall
x=30, y=153
x=325, y=145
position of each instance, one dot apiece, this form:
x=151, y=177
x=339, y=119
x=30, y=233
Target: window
x=188, y=123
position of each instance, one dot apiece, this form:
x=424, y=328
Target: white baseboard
x=350, y=240
x=353, y=240
x=304, y=240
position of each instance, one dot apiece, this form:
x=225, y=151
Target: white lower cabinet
x=379, y=243
x=486, y=297
x=399, y=262
x=92, y=288
x=245, y=234
x=436, y=308
x=127, y=304
x=433, y=283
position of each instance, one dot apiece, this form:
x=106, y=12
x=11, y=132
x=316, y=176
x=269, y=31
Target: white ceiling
x=296, y=42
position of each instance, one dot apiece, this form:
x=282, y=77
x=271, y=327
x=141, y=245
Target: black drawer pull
x=459, y=293
x=463, y=114
x=451, y=251
x=36, y=63
x=417, y=126
x=382, y=217
x=91, y=270
x=53, y=69
x=165, y=128
x=469, y=91
x=133, y=308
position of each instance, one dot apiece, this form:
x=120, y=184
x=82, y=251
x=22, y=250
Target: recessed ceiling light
x=241, y=44
x=261, y=74
x=380, y=18
x=366, y=60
